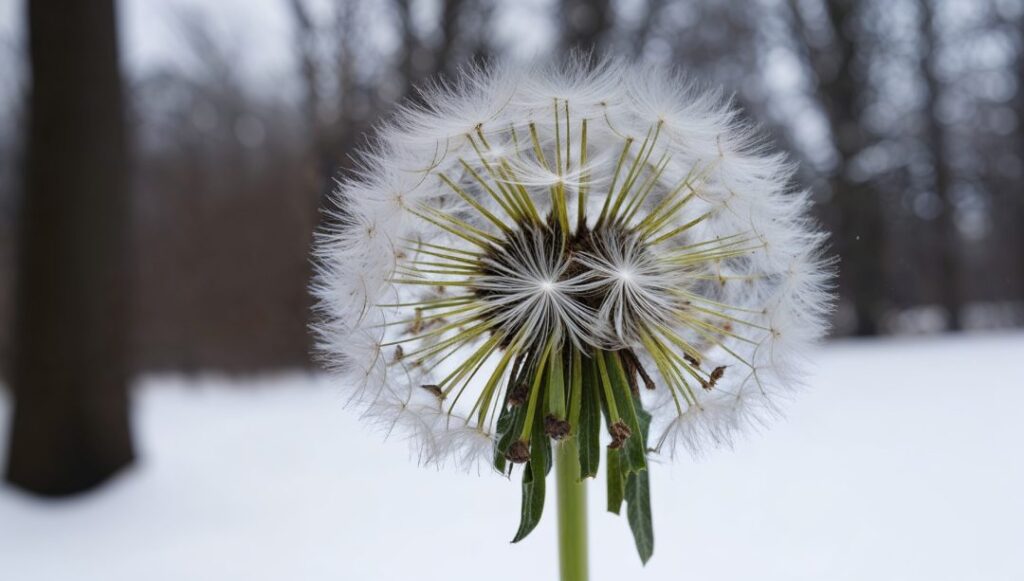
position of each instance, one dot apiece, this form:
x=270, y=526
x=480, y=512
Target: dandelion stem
x=572, y=512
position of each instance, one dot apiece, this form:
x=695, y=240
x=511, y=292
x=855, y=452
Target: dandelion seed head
x=524, y=221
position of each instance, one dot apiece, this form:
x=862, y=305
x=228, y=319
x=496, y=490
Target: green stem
x=572, y=511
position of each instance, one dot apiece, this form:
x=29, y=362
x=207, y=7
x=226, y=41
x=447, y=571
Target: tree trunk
x=1018, y=198
x=950, y=283
x=70, y=429
x=861, y=232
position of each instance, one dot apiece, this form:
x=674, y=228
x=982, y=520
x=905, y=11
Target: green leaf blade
x=638, y=512
x=533, y=502
x=534, y=476
x=616, y=488
x=638, y=494
x=635, y=447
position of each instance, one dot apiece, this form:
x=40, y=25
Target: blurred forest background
x=904, y=116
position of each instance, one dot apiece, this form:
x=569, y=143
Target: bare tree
x=419, y=59
x=1019, y=134
x=306, y=42
x=13, y=98
x=860, y=238
x=339, y=107
x=949, y=268
x=71, y=427
x=647, y=21
x=224, y=211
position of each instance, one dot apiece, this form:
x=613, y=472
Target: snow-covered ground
x=905, y=462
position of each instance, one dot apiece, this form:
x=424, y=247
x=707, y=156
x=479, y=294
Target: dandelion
x=540, y=260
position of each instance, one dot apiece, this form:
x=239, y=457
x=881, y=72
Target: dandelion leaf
x=615, y=485
x=638, y=512
x=634, y=456
x=638, y=495
x=534, y=475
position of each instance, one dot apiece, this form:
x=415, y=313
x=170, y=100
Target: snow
x=903, y=463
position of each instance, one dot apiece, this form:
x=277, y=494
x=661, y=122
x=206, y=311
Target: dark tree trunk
x=70, y=429
x=861, y=229
x=1018, y=198
x=949, y=250
x=323, y=160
